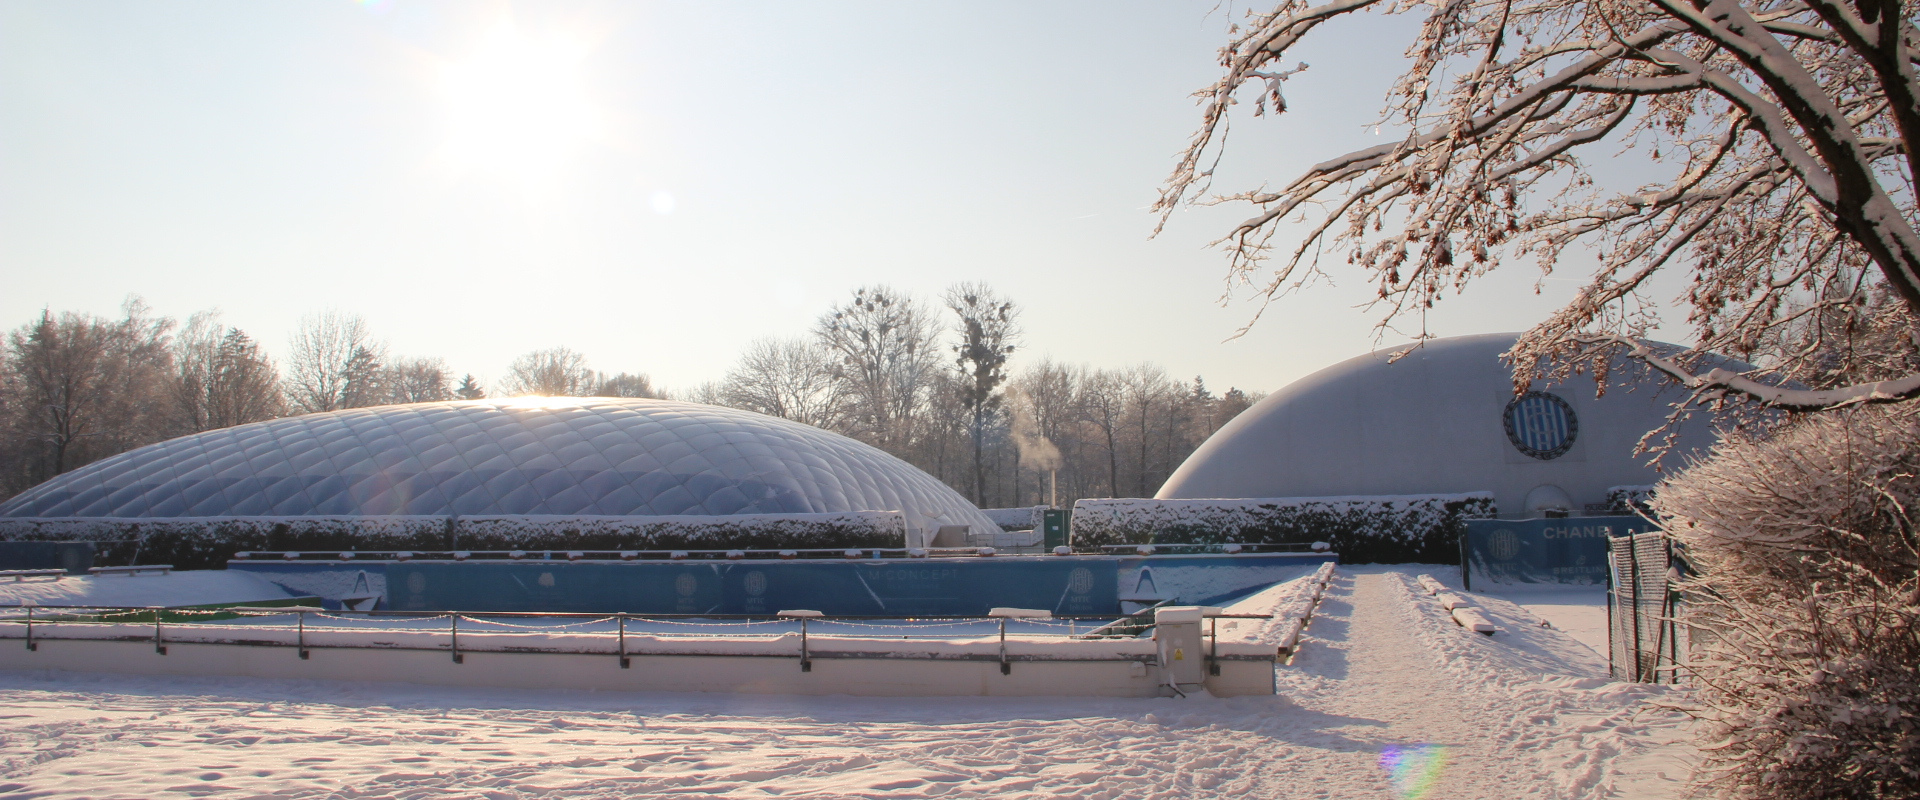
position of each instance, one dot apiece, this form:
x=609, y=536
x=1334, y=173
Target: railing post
x=301, y=641
x=1633, y=559
x=159, y=646
x=1213, y=646
x=453, y=643
x=806, y=660
x=31, y=644
x=1005, y=668
x=624, y=661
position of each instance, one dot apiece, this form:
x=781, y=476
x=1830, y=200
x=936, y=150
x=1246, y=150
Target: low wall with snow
x=873, y=666
x=1388, y=529
x=208, y=542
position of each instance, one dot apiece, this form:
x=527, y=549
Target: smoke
x=1036, y=451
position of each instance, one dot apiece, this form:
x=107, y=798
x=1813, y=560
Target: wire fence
x=1647, y=642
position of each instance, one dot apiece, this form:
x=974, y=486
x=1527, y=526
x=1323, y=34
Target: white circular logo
x=1080, y=580
x=545, y=579
x=1503, y=545
x=685, y=585
x=416, y=583
x=755, y=583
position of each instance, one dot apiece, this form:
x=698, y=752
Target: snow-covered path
x=1366, y=664
x=1385, y=701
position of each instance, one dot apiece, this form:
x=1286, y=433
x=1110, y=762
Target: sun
x=517, y=105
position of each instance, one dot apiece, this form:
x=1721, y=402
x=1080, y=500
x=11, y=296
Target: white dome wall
x=531, y=456
x=1431, y=422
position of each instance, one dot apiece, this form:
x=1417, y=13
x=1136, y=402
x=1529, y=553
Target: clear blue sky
x=657, y=184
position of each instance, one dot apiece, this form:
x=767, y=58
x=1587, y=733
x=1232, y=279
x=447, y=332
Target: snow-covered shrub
x=207, y=542
x=1363, y=530
x=1626, y=500
x=1808, y=588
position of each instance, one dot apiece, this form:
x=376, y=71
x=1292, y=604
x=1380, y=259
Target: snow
x=1578, y=611
x=194, y=588
x=1386, y=698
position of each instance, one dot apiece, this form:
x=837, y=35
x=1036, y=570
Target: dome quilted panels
x=574, y=456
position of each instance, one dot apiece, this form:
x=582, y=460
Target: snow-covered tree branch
x=1785, y=131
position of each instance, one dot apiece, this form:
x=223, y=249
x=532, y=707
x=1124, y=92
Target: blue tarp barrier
x=1570, y=550
x=889, y=587
x=74, y=557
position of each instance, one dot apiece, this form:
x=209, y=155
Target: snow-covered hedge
x=1363, y=530
x=207, y=542
x=1629, y=499
x=1807, y=591
x=1025, y=518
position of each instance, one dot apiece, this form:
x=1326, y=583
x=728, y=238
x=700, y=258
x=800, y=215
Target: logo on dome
x=1541, y=425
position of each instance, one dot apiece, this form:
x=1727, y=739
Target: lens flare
x=1414, y=769
x=518, y=103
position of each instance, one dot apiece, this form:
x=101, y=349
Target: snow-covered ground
x=1387, y=699
x=1579, y=611
x=197, y=587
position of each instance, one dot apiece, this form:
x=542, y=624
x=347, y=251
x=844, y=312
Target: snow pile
x=1392, y=529
x=207, y=542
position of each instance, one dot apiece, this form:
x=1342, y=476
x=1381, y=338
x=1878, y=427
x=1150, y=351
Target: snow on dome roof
x=569, y=455
x=1442, y=419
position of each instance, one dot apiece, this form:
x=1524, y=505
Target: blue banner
x=880, y=587
x=1569, y=550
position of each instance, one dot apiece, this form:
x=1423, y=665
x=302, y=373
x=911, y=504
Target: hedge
x=207, y=542
x=1363, y=530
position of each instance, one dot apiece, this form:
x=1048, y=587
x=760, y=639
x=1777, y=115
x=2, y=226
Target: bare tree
x=1102, y=405
x=1787, y=129
x=885, y=348
x=628, y=384
x=417, y=380
x=554, y=372
x=788, y=378
x=335, y=364
x=988, y=327
x=1148, y=396
x=221, y=378
x=81, y=387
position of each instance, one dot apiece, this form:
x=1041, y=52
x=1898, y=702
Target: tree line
x=930, y=384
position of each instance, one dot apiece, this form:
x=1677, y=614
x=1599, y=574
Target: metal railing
x=33, y=622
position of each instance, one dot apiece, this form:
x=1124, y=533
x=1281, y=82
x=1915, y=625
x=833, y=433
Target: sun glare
x=517, y=105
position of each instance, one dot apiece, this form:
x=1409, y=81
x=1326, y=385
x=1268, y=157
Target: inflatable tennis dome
x=1443, y=419
x=527, y=456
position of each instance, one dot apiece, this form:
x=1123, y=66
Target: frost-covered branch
x=1722, y=380
x=1786, y=130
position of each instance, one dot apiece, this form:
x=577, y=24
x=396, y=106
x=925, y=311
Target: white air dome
x=1442, y=419
x=571, y=456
